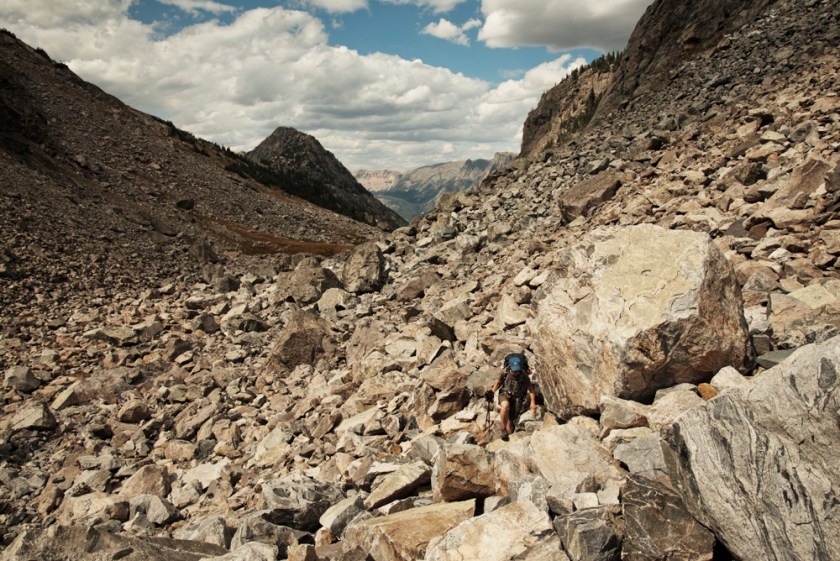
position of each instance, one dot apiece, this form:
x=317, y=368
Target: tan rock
x=405, y=535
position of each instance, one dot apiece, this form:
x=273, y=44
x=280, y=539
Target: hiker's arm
x=497, y=385
x=533, y=394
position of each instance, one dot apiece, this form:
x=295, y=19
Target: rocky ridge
x=320, y=178
x=330, y=408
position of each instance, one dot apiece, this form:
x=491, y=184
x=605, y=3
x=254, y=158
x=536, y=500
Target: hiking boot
x=505, y=436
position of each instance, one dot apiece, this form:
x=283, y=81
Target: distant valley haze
x=394, y=84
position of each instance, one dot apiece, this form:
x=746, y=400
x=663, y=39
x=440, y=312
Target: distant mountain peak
x=318, y=176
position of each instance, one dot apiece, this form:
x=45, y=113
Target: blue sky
x=383, y=84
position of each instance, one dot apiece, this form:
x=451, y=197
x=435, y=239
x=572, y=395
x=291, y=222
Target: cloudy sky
x=391, y=84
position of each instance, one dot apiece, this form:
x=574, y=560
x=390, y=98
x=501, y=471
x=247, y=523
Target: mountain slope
x=320, y=177
x=95, y=193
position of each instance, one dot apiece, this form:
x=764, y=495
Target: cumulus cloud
x=196, y=6
x=560, y=24
x=448, y=31
x=235, y=83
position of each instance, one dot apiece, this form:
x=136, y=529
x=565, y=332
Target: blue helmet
x=515, y=363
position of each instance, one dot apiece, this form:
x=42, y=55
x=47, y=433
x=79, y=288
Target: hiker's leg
x=504, y=421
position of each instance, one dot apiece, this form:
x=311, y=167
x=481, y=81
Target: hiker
x=514, y=381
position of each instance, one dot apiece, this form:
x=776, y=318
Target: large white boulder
x=634, y=309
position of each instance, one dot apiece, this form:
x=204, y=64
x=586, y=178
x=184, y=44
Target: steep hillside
x=320, y=177
x=97, y=196
x=672, y=272
x=416, y=192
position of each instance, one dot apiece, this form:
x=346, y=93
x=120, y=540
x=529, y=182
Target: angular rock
x=21, y=379
x=585, y=196
x=304, y=340
x=658, y=527
x=148, y=480
x=89, y=544
x=340, y=514
x=399, y=484
x=500, y=535
x=299, y=501
x=33, y=416
x=404, y=536
x=590, y=535
x=462, y=472
x=632, y=310
x=307, y=283
x=643, y=457
x=364, y=270
x=210, y=529
x=756, y=464
x=259, y=527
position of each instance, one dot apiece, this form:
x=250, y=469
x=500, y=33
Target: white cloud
x=437, y=6
x=195, y=6
x=448, y=31
x=234, y=84
x=46, y=13
x=338, y=6
x=560, y=24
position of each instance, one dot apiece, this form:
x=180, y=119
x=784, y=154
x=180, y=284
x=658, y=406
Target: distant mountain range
x=415, y=192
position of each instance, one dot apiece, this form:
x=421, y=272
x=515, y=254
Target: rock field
x=673, y=273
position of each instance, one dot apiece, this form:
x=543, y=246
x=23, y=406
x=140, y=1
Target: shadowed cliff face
x=315, y=174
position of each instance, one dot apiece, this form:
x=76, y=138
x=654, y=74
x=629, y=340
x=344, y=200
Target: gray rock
x=364, y=270
x=21, y=379
x=33, y=416
x=658, y=527
x=298, y=501
x=754, y=464
x=90, y=544
x=260, y=527
x=590, y=535
x=209, y=529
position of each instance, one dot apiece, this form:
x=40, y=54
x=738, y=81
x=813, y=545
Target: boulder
x=404, y=536
x=259, y=527
x=33, y=416
x=658, y=527
x=642, y=456
x=462, y=471
x=757, y=464
x=303, y=340
x=570, y=454
x=298, y=501
x=585, y=196
x=364, y=270
x=209, y=529
x=500, y=535
x=307, y=283
x=89, y=544
x=148, y=480
x=21, y=379
x=634, y=309
x=399, y=484
x=590, y=535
